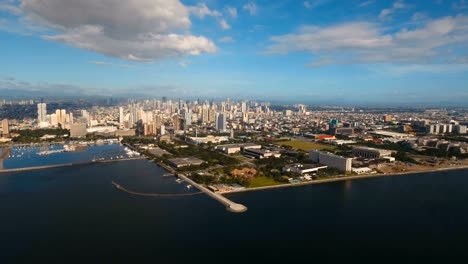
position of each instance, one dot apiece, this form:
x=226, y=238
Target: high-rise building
x=121, y=116
x=221, y=122
x=5, y=128
x=41, y=112
x=85, y=115
x=176, y=121
x=460, y=129
x=63, y=116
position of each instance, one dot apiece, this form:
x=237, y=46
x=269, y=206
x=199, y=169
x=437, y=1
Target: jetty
x=230, y=205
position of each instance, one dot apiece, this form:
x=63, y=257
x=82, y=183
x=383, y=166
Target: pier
x=230, y=205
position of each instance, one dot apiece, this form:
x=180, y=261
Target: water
x=75, y=213
x=27, y=156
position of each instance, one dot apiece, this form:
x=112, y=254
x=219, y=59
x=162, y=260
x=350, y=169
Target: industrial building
x=331, y=160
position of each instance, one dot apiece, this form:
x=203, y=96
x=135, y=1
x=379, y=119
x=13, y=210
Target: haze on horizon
x=356, y=51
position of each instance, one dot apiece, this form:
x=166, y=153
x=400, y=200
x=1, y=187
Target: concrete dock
x=230, y=205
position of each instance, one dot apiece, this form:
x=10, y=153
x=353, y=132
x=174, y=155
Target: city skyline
x=325, y=51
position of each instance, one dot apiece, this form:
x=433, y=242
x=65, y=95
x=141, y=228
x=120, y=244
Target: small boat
x=189, y=186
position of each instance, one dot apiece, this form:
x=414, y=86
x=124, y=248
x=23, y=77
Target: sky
x=315, y=51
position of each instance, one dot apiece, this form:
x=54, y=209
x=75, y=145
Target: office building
x=41, y=112
x=260, y=153
x=5, y=128
x=121, y=116
x=221, y=122
x=371, y=153
x=459, y=129
x=331, y=160
x=345, y=131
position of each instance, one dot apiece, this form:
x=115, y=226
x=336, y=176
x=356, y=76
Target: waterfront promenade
x=344, y=178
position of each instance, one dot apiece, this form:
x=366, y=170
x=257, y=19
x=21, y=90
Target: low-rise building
x=234, y=148
x=78, y=130
x=261, y=153
x=207, y=139
x=183, y=162
x=371, y=153
x=303, y=168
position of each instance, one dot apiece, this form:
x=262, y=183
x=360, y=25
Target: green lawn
x=306, y=145
x=262, y=181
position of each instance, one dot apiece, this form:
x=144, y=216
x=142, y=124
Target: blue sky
x=315, y=51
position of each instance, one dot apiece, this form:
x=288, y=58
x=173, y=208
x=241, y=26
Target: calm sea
x=76, y=214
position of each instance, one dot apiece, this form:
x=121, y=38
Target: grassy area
x=306, y=145
x=262, y=181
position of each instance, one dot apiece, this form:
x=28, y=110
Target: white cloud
x=142, y=30
x=385, y=14
x=223, y=24
x=183, y=63
x=232, y=11
x=7, y=7
x=106, y=63
x=226, y=39
x=364, y=42
x=201, y=10
x=418, y=16
x=251, y=7
x=366, y=3
x=314, y=3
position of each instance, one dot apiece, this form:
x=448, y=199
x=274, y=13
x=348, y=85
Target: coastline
x=343, y=178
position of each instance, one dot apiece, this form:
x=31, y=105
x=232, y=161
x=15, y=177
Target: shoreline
x=342, y=178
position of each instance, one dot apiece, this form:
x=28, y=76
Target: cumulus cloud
x=223, y=24
x=385, y=14
x=201, y=10
x=251, y=7
x=142, y=30
x=232, y=11
x=364, y=42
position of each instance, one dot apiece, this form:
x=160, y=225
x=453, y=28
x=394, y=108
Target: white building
x=459, y=129
x=41, y=112
x=331, y=160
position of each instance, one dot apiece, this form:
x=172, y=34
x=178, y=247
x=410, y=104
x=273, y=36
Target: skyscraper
x=221, y=122
x=121, y=116
x=41, y=112
x=5, y=128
